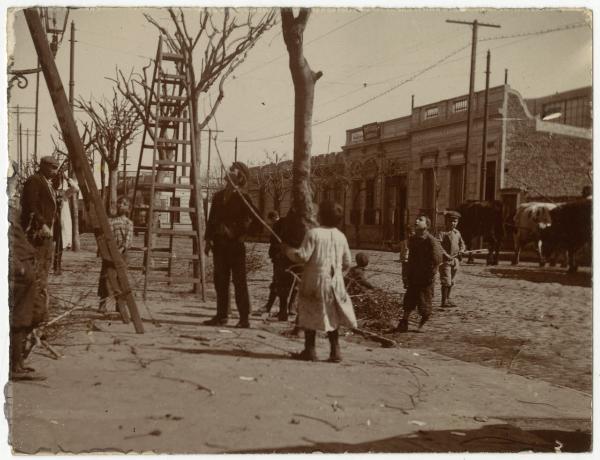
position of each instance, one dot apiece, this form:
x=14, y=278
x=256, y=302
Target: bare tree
x=274, y=178
x=222, y=39
x=88, y=138
x=116, y=122
x=304, y=79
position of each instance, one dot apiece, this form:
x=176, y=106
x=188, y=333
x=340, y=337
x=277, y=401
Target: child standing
x=323, y=303
x=122, y=230
x=452, y=246
x=424, y=257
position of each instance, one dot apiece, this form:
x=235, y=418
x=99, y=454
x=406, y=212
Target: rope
x=241, y=194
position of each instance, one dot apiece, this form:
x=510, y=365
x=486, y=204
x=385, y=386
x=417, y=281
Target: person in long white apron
x=323, y=303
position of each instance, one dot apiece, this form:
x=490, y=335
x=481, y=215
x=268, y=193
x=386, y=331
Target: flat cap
x=49, y=160
x=452, y=215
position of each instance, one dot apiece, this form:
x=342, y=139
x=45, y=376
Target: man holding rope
x=228, y=223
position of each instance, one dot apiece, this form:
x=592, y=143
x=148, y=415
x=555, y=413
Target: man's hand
x=207, y=247
x=45, y=232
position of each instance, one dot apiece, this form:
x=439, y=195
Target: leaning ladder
x=164, y=155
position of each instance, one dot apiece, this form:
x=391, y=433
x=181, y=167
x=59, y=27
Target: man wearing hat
x=452, y=246
x=38, y=210
x=228, y=223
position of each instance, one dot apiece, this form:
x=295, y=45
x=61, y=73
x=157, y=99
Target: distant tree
x=304, y=79
x=222, y=41
x=116, y=123
x=274, y=178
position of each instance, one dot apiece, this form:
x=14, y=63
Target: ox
x=571, y=230
x=529, y=220
x=484, y=219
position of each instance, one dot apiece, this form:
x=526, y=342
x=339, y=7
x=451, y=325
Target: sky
x=377, y=56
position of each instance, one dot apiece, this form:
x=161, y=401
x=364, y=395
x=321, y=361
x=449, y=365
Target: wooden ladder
x=163, y=162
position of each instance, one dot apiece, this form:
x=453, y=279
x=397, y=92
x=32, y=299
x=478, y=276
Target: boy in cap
x=228, y=223
x=38, y=210
x=453, y=246
x=424, y=257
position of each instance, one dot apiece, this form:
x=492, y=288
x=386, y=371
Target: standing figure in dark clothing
x=27, y=309
x=424, y=257
x=38, y=210
x=274, y=251
x=228, y=223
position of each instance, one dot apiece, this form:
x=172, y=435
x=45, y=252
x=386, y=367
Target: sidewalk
x=186, y=388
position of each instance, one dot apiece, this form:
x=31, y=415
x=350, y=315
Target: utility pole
x=208, y=175
x=506, y=76
x=20, y=148
x=27, y=143
x=470, y=109
x=125, y=171
x=37, y=102
x=235, y=153
x=74, y=200
x=412, y=102
x=19, y=156
x=485, y=122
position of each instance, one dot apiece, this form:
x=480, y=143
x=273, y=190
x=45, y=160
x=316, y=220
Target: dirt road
x=186, y=388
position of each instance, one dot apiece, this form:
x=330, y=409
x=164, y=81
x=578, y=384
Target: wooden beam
x=104, y=237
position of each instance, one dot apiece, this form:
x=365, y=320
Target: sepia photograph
x=281, y=229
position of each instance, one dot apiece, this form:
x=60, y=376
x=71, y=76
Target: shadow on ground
x=491, y=438
x=541, y=275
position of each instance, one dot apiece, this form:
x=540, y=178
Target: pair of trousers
x=43, y=261
x=229, y=261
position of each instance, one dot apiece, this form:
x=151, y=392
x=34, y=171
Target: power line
x=307, y=43
x=414, y=76
x=366, y=101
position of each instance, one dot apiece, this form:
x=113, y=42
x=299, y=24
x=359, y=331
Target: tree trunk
x=74, y=208
x=301, y=212
x=112, y=189
x=103, y=180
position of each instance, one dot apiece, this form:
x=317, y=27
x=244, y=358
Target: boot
x=444, y=296
x=449, y=303
x=283, y=309
x=309, y=353
x=424, y=319
x=270, y=301
x=403, y=324
x=334, y=354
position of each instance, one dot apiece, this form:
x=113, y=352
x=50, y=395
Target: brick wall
x=543, y=160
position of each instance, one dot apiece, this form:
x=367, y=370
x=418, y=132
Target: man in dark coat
x=27, y=310
x=424, y=257
x=38, y=210
x=228, y=223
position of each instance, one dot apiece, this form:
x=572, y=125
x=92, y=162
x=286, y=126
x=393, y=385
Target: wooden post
x=104, y=238
x=485, y=126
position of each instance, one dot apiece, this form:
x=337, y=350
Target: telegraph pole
x=73, y=202
x=506, y=76
x=235, y=154
x=485, y=122
x=470, y=109
x=37, y=102
x=20, y=148
x=125, y=171
x=208, y=174
x=19, y=156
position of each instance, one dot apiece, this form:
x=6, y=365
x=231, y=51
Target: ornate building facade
x=390, y=171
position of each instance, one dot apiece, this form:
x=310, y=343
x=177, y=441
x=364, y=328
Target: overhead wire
x=417, y=74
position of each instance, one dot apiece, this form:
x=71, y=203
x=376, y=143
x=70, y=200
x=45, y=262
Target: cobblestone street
x=532, y=321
